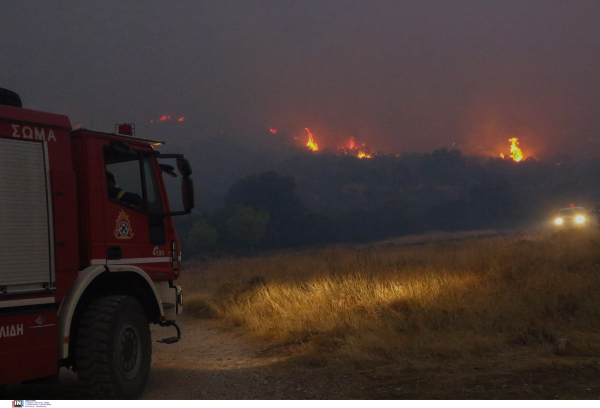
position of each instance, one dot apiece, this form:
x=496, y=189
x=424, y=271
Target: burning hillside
x=316, y=144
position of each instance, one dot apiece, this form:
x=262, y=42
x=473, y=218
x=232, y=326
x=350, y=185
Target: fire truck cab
x=88, y=251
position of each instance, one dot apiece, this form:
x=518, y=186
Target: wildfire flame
x=353, y=150
x=351, y=143
x=350, y=148
x=165, y=118
x=311, y=142
x=515, y=152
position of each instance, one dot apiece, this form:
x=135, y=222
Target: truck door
x=134, y=236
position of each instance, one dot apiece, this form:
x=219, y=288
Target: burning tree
x=515, y=152
x=311, y=144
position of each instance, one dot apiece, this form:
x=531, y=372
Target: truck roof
x=57, y=121
x=13, y=114
x=134, y=139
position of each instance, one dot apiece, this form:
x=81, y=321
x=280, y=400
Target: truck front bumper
x=171, y=298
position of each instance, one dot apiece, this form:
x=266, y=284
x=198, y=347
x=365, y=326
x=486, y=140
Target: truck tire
x=113, y=348
x=10, y=98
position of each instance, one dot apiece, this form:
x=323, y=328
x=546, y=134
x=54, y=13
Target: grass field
x=521, y=301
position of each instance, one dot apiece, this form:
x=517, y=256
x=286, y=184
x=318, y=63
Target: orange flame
x=311, y=142
x=515, y=152
x=352, y=149
x=351, y=143
x=164, y=118
x=274, y=131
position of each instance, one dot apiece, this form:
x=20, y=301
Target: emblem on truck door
x=123, y=229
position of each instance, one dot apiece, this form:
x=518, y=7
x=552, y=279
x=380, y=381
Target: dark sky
x=398, y=75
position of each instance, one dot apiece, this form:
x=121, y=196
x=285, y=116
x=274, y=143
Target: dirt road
x=216, y=362
x=210, y=362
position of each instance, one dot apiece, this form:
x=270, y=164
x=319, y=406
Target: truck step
x=169, y=340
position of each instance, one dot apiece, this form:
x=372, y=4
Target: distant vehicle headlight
x=579, y=219
x=558, y=221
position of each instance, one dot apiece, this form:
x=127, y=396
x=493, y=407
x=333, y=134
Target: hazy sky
x=397, y=75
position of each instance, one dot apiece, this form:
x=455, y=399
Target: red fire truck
x=88, y=250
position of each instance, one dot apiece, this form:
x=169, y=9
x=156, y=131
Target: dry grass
x=463, y=299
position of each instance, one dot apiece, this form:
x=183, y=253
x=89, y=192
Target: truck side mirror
x=187, y=192
x=168, y=169
x=187, y=185
x=122, y=149
x=183, y=165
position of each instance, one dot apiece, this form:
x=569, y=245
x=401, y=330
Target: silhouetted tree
x=202, y=236
x=276, y=196
x=246, y=227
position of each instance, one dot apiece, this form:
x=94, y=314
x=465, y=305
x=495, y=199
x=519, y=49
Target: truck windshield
x=570, y=212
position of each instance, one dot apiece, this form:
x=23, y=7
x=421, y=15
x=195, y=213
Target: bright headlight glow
x=558, y=221
x=579, y=219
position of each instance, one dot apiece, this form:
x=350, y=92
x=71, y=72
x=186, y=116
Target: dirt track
x=210, y=362
x=216, y=362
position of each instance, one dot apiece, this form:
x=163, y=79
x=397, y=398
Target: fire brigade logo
x=123, y=229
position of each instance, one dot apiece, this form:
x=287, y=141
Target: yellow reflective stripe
x=121, y=194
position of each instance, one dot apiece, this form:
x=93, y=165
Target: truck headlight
x=579, y=219
x=558, y=221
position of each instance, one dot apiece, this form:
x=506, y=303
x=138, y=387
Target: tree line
x=325, y=198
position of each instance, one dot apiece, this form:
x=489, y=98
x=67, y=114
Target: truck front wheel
x=113, y=348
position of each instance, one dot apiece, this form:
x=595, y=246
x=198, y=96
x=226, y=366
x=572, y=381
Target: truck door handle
x=114, y=252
